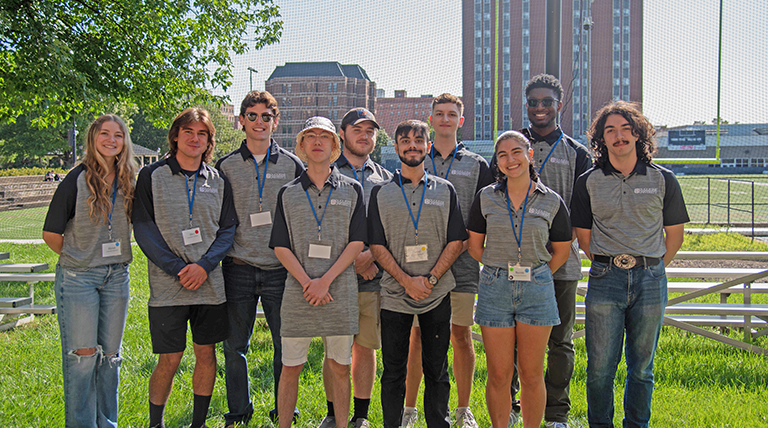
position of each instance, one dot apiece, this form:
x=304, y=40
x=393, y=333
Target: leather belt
x=628, y=261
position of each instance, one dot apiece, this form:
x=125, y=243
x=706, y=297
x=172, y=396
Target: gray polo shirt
x=568, y=161
x=343, y=221
x=161, y=213
x=368, y=176
x=468, y=172
x=390, y=225
x=68, y=215
x=627, y=214
x=252, y=242
x=546, y=219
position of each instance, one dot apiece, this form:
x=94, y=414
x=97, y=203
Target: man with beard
x=416, y=256
x=358, y=134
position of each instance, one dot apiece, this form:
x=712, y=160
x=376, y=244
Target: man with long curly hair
x=628, y=214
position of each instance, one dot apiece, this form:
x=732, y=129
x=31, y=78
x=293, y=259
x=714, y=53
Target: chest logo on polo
x=342, y=202
x=460, y=172
x=558, y=161
x=208, y=189
x=436, y=202
x=275, y=175
x=538, y=212
x=646, y=190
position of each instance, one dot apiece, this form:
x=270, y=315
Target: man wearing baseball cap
x=319, y=230
x=358, y=134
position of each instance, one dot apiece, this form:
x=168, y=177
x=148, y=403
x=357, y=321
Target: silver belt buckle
x=625, y=261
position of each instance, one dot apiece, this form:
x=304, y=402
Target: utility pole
x=251, y=70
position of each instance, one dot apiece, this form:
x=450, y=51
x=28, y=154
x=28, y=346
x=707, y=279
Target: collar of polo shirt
x=640, y=168
x=332, y=179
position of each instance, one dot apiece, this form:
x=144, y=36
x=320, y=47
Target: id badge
x=320, y=250
x=261, y=219
x=111, y=249
x=192, y=236
x=416, y=253
x=519, y=271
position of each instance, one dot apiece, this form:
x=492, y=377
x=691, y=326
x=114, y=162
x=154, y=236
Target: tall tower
x=601, y=60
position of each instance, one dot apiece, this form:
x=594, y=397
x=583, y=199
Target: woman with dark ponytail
x=520, y=230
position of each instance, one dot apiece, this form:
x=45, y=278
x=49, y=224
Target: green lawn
x=700, y=382
x=708, y=198
x=22, y=224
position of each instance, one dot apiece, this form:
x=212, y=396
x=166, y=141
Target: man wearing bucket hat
x=358, y=134
x=319, y=230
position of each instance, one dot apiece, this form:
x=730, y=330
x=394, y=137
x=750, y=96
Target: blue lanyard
x=550, y=152
x=421, y=204
x=432, y=155
x=194, y=190
x=311, y=205
x=109, y=217
x=522, y=218
x=362, y=182
x=259, y=179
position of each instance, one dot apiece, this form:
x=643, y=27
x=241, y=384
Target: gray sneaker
x=360, y=423
x=409, y=418
x=514, y=418
x=465, y=419
x=328, y=422
x=556, y=425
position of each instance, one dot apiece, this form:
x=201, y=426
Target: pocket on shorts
x=598, y=269
x=542, y=276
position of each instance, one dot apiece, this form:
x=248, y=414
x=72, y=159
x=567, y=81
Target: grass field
x=708, y=198
x=700, y=382
x=22, y=224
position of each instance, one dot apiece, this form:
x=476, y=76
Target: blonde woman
x=88, y=225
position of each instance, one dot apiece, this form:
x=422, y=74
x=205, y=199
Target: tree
x=62, y=58
x=23, y=145
x=146, y=134
x=382, y=139
x=227, y=137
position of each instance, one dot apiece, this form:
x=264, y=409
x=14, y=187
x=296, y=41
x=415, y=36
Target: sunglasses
x=546, y=102
x=265, y=117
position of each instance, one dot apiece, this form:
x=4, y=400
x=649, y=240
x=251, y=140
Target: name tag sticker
x=111, y=249
x=192, y=236
x=261, y=219
x=519, y=271
x=320, y=250
x=416, y=253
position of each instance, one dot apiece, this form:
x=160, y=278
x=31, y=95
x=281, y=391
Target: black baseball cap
x=357, y=115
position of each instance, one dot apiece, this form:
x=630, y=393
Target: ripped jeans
x=92, y=305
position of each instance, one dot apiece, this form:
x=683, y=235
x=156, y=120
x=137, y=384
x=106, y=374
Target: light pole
x=251, y=71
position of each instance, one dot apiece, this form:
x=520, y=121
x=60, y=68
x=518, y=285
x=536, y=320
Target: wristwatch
x=432, y=280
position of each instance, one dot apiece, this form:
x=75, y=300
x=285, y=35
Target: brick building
x=601, y=48
x=392, y=111
x=306, y=89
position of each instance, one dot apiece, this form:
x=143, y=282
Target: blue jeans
x=619, y=300
x=435, y=337
x=245, y=284
x=92, y=305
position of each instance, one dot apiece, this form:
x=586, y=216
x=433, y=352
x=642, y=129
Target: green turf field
x=22, y=224
x=708, y=198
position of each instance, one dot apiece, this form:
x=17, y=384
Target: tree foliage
x=62, y=58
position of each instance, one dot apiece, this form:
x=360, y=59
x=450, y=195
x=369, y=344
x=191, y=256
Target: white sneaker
x=514, y=418
x=465, y=419
x=556, y=425
x=409, y=418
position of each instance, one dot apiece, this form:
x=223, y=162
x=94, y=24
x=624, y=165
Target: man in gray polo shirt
x=628, y=214
x=468, y=172
x=319, y=230
x=416, y=254
x=358, y=134
x=559, y=159
x=184, y=220
x=257, y=171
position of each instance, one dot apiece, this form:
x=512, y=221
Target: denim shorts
x=503, y=303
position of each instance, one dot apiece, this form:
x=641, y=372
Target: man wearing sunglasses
x=559, y=159
x=257, y=171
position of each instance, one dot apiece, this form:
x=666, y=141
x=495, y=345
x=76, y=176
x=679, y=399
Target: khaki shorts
x=462, y=310
x=370, y=320
x=337, y=348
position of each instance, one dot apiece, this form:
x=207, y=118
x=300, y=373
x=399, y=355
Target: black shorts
x=168, y=326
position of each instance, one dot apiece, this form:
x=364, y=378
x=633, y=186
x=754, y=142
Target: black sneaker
x=273, y=415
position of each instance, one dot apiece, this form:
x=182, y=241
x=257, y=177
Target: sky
x=416, y=46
